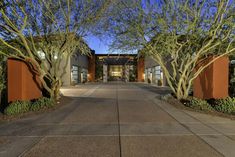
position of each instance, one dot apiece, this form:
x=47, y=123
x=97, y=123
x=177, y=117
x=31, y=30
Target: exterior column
x=140, y=70
x=213, y=81
x=127, y=73
x=22, y=83
x=105, y=73
x=91, y=68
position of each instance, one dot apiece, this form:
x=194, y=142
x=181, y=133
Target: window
x=158, y=73
x=74, y=74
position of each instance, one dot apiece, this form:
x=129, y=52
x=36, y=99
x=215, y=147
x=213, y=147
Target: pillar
x=213, y=81
x=105, y=73
x=127, y=73
x=140, y=70
x=22, y=83
x=91, y=68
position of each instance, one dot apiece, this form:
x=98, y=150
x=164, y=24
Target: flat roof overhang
x=116, y=55
x=118, y=61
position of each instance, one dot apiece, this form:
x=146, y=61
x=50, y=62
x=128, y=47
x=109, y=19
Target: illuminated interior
x=115, y=70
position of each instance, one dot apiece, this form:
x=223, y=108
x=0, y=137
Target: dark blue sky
x=101, y=47
x=97, y=45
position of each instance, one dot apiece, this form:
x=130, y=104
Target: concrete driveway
x=117, y=119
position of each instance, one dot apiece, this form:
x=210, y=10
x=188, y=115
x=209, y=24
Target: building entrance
x=116, y=70
x=117, y=67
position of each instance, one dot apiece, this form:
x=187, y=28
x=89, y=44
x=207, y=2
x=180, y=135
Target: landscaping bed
x=22, y=109
x=220, y=107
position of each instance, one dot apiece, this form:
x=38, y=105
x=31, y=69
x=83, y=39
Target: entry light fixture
x=41, y=54
x=56, y=57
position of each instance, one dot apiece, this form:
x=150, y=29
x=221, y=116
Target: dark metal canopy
x=117, y=61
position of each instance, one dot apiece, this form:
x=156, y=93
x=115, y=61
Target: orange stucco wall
x=91, y=68
x=213, y=81
x=140, y=70
x=22, y=83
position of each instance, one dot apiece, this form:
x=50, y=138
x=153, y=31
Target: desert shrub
x=2, y=74
x=198, y=104
x=17, y=107
x=42, y=103
x=225, y=105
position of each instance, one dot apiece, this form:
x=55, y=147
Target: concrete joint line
x=215, y=139
x=112, y=135
x=41, y=137
x=31, y=147
x=118, y=118
x=89, y=92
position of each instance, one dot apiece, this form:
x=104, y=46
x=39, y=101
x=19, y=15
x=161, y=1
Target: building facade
x=153, y=72
x=116, y=67
x=104, y=68
x=77, y=70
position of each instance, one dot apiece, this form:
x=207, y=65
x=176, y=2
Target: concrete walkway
x=117, y=120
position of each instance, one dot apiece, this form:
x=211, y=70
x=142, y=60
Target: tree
x=2, y=76
x=2, y=80
x=45, y=34
x=177, y=34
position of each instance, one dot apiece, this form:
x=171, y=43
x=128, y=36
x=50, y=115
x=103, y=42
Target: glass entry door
x=116, y=71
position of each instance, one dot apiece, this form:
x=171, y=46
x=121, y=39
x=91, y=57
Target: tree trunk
x=0, y=97
x=181, y=95
x=55, y=90
x=180, y=92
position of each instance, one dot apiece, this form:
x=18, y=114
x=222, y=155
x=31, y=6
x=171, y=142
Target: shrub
x=199, y=104
x=225, y=105
x=2, y=76
x=42, y=103
x=17, y=107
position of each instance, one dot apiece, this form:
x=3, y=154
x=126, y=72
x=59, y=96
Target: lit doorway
x=115, y=72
